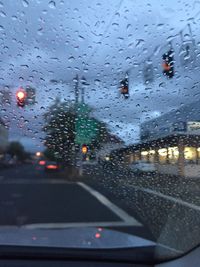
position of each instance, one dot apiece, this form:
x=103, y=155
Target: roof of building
x=186, y=112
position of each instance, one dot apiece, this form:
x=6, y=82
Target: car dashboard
x=189, y=260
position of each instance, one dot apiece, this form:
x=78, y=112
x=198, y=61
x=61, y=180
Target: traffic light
x=21, y=97
x=84, y=149
x=124, y=89
x=168, y=64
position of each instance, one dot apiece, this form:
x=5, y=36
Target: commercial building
x=171, y=142
x=111, y=143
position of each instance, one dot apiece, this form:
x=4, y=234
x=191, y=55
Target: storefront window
x=152, y=156
x=190, y=154
x=173, y=154
x=131, y=158
x=162, y=153
x=137, y=156
x=144, y=155
x=198, y=154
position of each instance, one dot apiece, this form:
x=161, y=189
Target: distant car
x=52, y=166
x=40, y=164
x=142, y=166
x=89, y=162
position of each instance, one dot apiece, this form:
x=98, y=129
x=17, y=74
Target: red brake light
x=42, y=162
x=52, y=167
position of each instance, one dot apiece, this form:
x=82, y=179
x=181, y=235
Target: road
x=41, y=200
x=32, y=197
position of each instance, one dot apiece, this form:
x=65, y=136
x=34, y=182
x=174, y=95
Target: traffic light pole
x=76, y=146
x=76, y=89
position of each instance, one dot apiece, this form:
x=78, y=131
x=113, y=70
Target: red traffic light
x=21, y=97
x=124, y=90
x=168, y=64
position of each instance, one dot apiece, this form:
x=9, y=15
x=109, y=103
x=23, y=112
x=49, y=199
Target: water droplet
x=139, y=43
x=39, y=31
x=162, y=85
x=1, y=28
x=107, y=64
x=2, y=14
x=128, y=26
x=52, y=4
x=97, y=82
x=71, y=59
x=115, y=25
x=25, y=3
x=81, y=38
x=160, y=26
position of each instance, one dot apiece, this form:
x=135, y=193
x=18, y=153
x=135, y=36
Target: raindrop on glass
x=52, y=4
x=25, y=3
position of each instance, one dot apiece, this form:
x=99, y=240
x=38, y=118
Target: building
x=171, y=142
x=3, y=138
x=110, y=143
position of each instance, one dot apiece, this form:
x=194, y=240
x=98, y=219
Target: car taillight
x=42, y=162
x=53, y=167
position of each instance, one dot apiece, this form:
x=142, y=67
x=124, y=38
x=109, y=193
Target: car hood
x=71, y=238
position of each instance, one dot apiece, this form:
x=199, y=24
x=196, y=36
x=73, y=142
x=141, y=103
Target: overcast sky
x=43, y=40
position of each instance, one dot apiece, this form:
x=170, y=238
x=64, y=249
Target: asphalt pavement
x=30, y=197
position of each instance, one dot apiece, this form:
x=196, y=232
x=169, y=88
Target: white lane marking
x=124, y=216
x=176, y=200
x=76, y=225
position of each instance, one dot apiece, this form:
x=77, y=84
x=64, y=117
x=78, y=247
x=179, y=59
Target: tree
x=16, y=149
x=61, y=130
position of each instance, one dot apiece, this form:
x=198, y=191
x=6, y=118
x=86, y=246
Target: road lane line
x=124, y=216
x=77, y=225
x=176, y=200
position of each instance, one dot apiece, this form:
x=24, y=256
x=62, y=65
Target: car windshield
x=100, y=124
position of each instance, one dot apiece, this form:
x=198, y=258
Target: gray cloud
x=101, y=40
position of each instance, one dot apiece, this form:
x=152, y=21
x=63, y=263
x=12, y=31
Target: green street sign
x=86, y=130
x=82, y=109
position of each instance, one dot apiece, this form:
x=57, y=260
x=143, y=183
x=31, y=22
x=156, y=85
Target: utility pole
x=76, y=89
x=84, y=83
x=76, y=146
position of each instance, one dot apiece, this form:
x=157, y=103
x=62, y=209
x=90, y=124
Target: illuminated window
x=162, y=152
x=173, y=154
x=144, y=153
x=190, y=153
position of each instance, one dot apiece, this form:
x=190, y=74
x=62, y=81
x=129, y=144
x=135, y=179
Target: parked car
x=142, y=166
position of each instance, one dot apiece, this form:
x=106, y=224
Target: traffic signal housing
x=21, y=97
x=168, y=64
x=124, y=88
